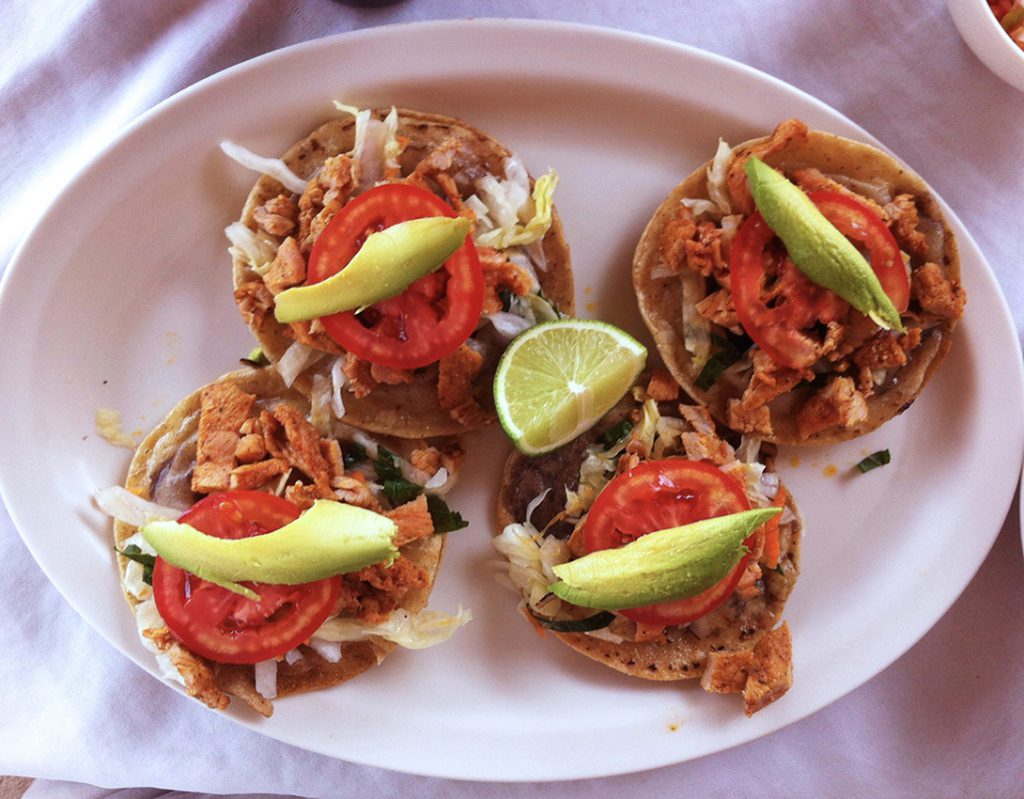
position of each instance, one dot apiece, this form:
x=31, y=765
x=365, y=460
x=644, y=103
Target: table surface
x=944, y=720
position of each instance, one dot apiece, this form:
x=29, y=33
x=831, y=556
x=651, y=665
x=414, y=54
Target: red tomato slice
x=433, y=316
x=860, y=223
x=224, y=626
x=656, y=495
x=776, y=318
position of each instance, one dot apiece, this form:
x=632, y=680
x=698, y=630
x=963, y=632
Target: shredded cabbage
x=508, y=325
x=338, y=381
x=410, y=630
x=648, y=424
x=376, y=144
x=700, y=207
x=718, y=172
x=272, y=167
x=320, y=403
x=530, y=224
x=696, y=329
x=531, y=560
x=256, y=249
x=132, y=509
x=294, y=360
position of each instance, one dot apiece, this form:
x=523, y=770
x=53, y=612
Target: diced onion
x=328, y=650
x=266, y=678
x=438, y=480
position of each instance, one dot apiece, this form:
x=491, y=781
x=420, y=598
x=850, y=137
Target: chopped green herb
x=256, y=358
x=728, y=353
x=400, y=491
x=874, y=460
x=445, y=519
x=596, y=622
x=506, y=299
x=386, y=465
x=352, y=453
x=613, y=435
x=132, y=552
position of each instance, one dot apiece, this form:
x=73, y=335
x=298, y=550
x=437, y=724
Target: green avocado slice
x=328, y=539
x=816, y=246
x=389, y=261
x=676, y=563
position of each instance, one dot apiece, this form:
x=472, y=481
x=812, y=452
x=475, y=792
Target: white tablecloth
x=945, y=720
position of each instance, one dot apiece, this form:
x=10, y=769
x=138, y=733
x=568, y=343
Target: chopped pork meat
x=838, y=403
x=936, y=293
x=223, y=409
x=455, y=385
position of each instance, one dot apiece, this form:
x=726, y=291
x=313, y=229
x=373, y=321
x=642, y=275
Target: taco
x=246, y=453
x=765, y=349
x=419, y=364
x=654, y=463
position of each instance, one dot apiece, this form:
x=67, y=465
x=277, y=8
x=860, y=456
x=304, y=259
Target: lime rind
x=557, y=379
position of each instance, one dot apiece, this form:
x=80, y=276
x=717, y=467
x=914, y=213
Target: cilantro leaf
x=386, y=465
x=729, y=351
x=400, y=491
x=445, y=519
x=132, y=552
x=613, y=435
x=352, y=453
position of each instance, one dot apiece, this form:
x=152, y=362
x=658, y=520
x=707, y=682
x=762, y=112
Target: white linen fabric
x=945, y=720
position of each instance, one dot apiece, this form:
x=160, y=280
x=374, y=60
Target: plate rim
x=425, y=28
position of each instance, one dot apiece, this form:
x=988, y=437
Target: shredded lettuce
x=410, y=630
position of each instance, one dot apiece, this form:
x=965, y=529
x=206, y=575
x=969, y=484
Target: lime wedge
x=557, y=379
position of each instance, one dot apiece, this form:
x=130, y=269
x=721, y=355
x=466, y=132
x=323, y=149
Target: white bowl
x=986, y=37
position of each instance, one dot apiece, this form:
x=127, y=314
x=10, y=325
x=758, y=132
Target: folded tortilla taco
x=419, y=362
x=245, y=457
x=762, y=322
x=654, y=464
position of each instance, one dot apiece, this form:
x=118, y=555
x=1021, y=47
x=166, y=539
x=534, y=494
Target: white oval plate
x=121, y=298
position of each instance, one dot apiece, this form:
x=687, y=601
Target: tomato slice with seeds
x=224, y=626
x=433, y=316
x=656, y=495
x=778, y=313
